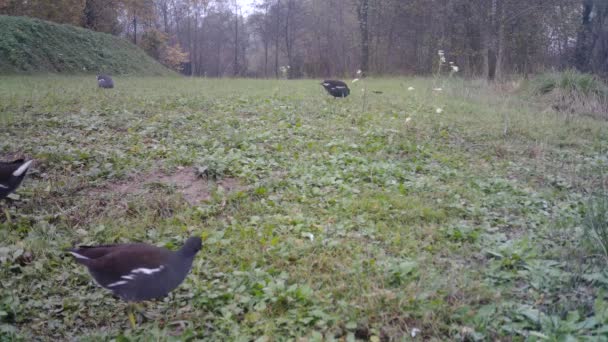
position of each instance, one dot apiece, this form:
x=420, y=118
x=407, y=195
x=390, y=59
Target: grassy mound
x=32, y=46
x=573, y=92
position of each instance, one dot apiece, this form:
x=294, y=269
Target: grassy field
x=373, y=217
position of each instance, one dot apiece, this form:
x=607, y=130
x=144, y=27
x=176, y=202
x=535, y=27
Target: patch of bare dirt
x=193, y=188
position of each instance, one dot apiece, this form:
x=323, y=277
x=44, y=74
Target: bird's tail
x=22, y=168
x=81, y=259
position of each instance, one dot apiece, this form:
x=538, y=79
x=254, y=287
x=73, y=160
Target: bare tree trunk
x=500, y=41
x=363, y=15
x=266, y=59
x=177, y=21
x=194, y=60
x=342, y=40
x=236, y=39
x=582, y=57
x=165, y=12
x=488, y=35
x=276, y=40
x=288, y=37
x=135, y=29
x=266, y=29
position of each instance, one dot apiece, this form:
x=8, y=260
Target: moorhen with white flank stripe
x=336, y=88
x=136, y=272
x=11, y=175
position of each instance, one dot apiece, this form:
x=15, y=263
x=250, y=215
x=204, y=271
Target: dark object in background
x=11, y=175
x=336, y=88
x=136, y=272
x=105, y=81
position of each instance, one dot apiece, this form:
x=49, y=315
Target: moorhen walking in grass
x=105, y=81
x=11, y=175
x=136, y=272
x=336, y=88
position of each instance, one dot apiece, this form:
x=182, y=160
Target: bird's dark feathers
x=336, y=88
x=11, y=175
x=138, y=271
x=105, y=255
x=7, y=168
x=105, y=81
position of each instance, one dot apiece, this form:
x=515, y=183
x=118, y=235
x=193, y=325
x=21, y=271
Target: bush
x=595, y=223
x=570, y=81
x=573, y=92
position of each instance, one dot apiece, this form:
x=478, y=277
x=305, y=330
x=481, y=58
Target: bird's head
x=192, y=246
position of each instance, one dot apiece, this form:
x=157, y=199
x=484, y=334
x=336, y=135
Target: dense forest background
x=318, y=38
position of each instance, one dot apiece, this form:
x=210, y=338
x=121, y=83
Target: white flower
x=410, y=88
x=442, y=59
x=415, y=332
x=355, y=80
x=455, y=68
x=309, y=236
x=408, y=119
x=359, y=72
x=438, y=110
x=437, y=89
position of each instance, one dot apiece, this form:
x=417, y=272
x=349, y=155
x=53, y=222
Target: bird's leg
x=131, y=316
x=140, y=310
x=7, y=214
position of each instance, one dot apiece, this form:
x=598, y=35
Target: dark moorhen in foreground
x=11, y=175
x=136, y=272
x=336, y=88
x=105, y=81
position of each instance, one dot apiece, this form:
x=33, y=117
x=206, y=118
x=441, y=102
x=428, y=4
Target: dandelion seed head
x=410, y=88
x=415, y=332
x=440, y=52
x=455, y=68
x=438, y=110
x=408, y=119
x=359, y=72
x=437, y=89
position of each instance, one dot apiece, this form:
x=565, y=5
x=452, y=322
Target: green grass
x=572, y=92
x=37, y=46
x=570, y=81
x=344, y=223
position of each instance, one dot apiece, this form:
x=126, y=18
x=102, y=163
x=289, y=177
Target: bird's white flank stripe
x=3, y=187
x=22, y=168
x=118, y=283
x=147, y=270
x=325, y=84
x=340, y=87
x=79, y=256
x=128, y=277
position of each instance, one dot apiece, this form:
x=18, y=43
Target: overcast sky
x=246, y=5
